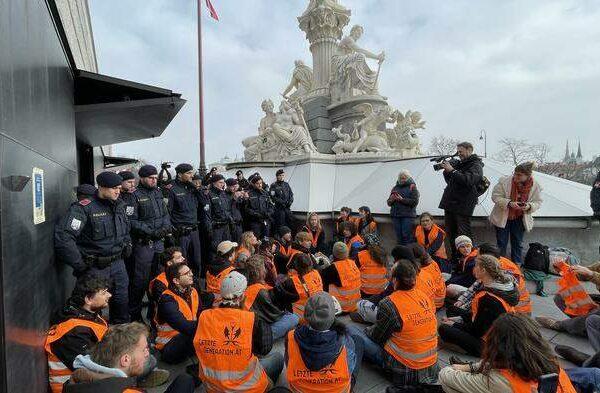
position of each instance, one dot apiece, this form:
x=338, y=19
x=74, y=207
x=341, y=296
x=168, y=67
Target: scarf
x=519, y=192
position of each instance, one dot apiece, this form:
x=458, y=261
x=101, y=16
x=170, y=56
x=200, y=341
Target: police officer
x=218, y=213
x=150, y=225
x=243, y=183
x=183, y=209
x=237, y=199
x=259, y=208
x=127, y=190
x=283, y=197
x=92, y=238
x=85, y=191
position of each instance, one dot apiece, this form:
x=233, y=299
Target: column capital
x=324, y=19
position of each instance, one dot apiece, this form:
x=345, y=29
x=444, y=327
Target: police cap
x=108, y=179
x=127, y=175
x=216, y=177
x=231, y=182
x=183, y=168
x=147, y=171
x=279, y=172
x=85, y=189
x=239, y=172
x=255, y=178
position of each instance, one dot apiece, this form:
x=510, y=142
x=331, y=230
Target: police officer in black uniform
x=259, y=208
x=127, y=190
x=183, y=209
x=85, y=191
x=237, y=198
x=150, y=225
x=242, y=182
x=93, y=237
x=218, y=213
x=283, y=197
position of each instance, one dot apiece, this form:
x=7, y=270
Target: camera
x=439, y=159
x=165, y=165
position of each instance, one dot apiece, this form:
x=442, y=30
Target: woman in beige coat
x=515, y=198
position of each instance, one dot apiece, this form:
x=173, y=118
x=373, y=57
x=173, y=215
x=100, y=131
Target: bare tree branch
x=442, y=145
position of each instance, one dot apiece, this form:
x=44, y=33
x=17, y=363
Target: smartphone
x=548, y=383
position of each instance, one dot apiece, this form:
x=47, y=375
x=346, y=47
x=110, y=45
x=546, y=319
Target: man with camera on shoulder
x=462, y=176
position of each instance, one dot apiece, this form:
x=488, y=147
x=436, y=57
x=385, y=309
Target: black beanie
x=147, y=171
x=108, y=179
x=183, y=168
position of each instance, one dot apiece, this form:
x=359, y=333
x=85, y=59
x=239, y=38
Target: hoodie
x=321, y=348
x=95, y=378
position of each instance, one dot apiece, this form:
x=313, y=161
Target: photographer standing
x=460, y=195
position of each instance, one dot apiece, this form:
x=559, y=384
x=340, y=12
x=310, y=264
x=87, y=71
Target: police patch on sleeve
x=129, y=210
x=75, y=224
x=206, y=208
x=273, y=192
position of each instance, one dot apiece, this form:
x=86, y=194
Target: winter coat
x=407, y=206
x=501, y=198
x=460, y=195
x=92, y=377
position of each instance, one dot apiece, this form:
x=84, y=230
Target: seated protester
x=283, y=241
x=342, y=278
x=315, y=230
x=514, y=357
x=345, y=216
x=259, y=299
x=404, y=338
x=222, y=369
x=366, y=224
x=432, y=237
x=367, y=308
x=266, y=249
x=77, y=328
x=117, y=361
x=294, y=291
x=221, y=266
x=372, y=264
x=462, y=276
x=498, y=295
x=353, y=241
x=514, y=270
x=178, y=309
x=430, y=278
x=322, y=357
x=248, y=245
x=301, y=245
x=159, y=284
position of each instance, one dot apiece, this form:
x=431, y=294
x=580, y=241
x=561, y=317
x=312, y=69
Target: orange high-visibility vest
x=524, y=306
x=430, y=281
x=519, y=385
x=349, y=293
x=373, y=278
x=310, y=284
x=213, y=283
x=282, y=249
x=333, y=378
x=58, y=373
x=475, y=306
x=223, y=344
x=291, y=254
x=354, y=239
x=252, y=292
x=165, y=332
x=576, y=299
x=314, y=238
x=415, y=346
x=433, y=234
x=162, y=277
x=463, y=261
x=132, y=390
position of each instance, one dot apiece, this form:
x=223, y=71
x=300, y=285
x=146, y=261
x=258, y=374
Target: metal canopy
x=110, y=110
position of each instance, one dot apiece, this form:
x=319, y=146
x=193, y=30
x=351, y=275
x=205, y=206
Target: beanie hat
x=216, y=177
x=108, y=179
x=340, y=250
x=319, y=311
x=126, y=175
x=283, y=230
x=462, y=240
x=231, y=182
x=147, y=171
x=85, y=189
x=233, y=286
x=183, y=168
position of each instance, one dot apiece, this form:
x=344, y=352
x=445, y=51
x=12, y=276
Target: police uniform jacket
x=150, y=215
x=259, y=205
x=218, y=210
x=282, y=194
x=235, y=207
x=183, y=204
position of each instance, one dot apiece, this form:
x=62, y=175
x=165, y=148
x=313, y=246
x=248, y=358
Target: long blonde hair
x=309, y=216
x=245, y=241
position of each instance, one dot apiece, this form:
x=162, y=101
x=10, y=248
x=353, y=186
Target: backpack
x=537, y=258
x=482, y=186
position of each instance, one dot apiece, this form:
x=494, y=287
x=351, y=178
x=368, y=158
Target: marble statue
x=344, y=143
x=365, y=135
x=349, y=68
x=302, y=82
x=403, y=136
x=332, y=4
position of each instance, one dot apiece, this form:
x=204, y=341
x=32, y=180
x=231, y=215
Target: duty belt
x=185, y=230
x=102, y=262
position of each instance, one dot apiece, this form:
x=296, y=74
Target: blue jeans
x=273, y=365
x=287, y=322
x=403, y=226
x=116, y=275
x=372, y=352
x=586, y=380
x=513, y=231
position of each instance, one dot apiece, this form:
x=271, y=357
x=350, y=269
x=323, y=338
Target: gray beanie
x=462, y=240
x=233, y=286
x=319, y=311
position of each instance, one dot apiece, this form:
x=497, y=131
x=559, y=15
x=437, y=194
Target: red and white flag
x=211, y=10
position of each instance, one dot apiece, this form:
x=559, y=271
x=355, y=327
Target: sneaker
x=571, y=354
x=354, y=316
x=548, y=323
x=156, y=378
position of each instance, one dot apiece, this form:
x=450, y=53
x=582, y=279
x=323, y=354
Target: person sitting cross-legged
x=220, y=267
x=159, y=284
x=429, y=278
x=322, y=356
x=404, y=337
x=116, y=362
x=462, y=275
x=342, y=278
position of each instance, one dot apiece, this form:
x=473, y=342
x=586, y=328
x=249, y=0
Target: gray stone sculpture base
x=319, y=125
x=343, y=113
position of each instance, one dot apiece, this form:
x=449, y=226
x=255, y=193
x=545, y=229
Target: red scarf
x=519, y=192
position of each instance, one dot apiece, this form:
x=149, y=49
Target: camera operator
x=460, y=195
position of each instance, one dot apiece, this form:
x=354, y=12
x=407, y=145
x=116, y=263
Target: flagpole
x=202, y=168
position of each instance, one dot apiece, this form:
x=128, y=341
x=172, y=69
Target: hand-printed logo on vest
x=328, y=370
x=424, y=304
x=232, y=334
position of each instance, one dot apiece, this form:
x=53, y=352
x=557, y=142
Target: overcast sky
x=523, y=69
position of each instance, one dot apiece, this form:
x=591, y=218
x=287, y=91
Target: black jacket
x=219, y=211
x=407, y=206
x=150, y=216
x=183, y=204
x=460, y=195
x=259, y=206
x=235, y=208
x=595, y=196
x=282, y=195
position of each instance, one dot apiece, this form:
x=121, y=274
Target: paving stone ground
x=370, y=380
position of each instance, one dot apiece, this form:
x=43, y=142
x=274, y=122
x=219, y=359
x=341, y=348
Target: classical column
x=323, y=22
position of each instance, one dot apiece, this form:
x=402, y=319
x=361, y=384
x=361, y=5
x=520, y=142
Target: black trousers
x=455, y=335
x=457, y=225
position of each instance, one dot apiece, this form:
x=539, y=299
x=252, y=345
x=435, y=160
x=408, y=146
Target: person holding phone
x=515, y=199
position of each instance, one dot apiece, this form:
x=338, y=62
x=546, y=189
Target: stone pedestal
x=319, y=125
x=323, y=26
x=343, y=113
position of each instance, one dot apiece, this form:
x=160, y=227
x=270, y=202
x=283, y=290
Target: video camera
x=165, y=165
x=440, y=159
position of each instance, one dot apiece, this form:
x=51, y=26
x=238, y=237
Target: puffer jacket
x=407, y=206
x=460, y=195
